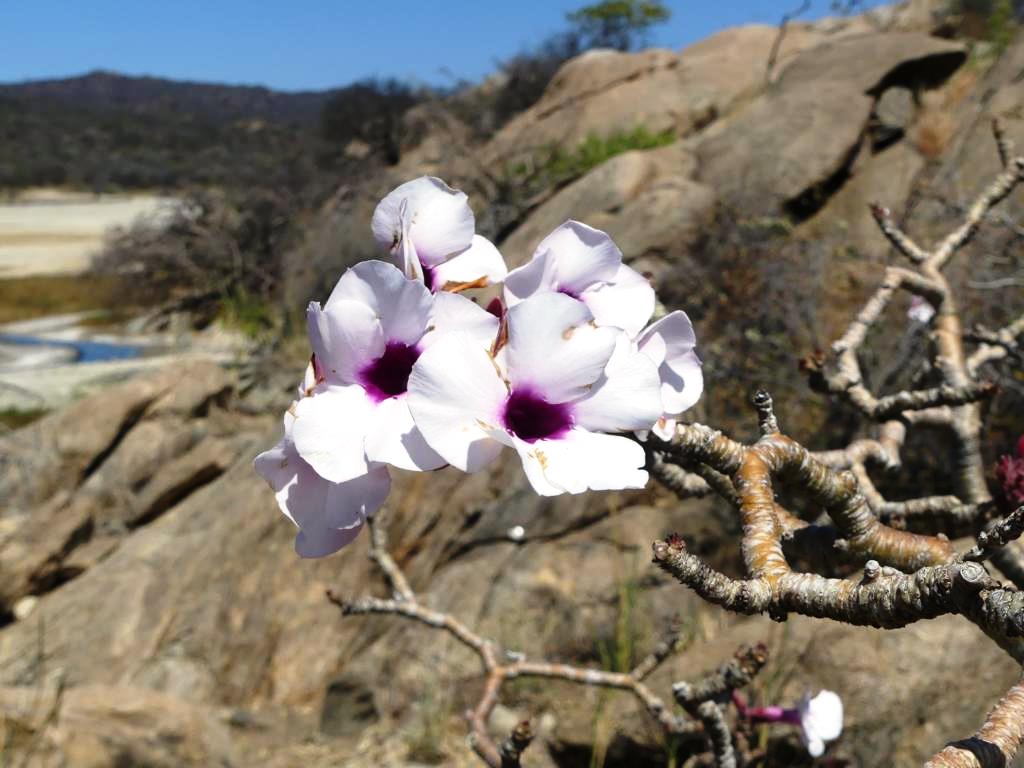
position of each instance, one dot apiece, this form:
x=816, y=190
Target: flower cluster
x=408, y=372
x=1010, y=475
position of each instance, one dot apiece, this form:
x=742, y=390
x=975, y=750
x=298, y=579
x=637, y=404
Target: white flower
x=429, y=228
x=821, y=720
x=551, y=393
x=584, y=263
x=669, y=343
x=365, y=341
x=328, y=515
x=920, y=310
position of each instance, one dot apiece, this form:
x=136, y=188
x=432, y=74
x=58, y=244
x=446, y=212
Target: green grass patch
x=16, y=418
x=25, y=298
x=561, y=166
x=253, y=315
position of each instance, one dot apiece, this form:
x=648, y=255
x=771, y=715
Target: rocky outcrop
x=107, y=727
x=605, y=91
x=79, y=480
x=796, y=144
x=646, y=200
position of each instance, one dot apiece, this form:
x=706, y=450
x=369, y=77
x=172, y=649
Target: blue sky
x=312, y=44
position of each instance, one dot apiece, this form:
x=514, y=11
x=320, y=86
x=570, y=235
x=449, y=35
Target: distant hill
x=103, y=90
x=104, y=131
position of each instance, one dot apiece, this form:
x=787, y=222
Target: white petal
x=401, y=304
x=330, y=430
x=315, y=504
x=626, y=301
x=682, y=380
x=626, y=397
x=653, y=346
x=328, y=515
x=410, y=262
x=582, y=256
x=441, y=221
x=675, y=331
x=535, y=276
x=815, y=747
x=345, y=337
x=583, y=460
x=455, y=396
x=394, y=439
x=822, y=716
x=276, y=466
x=554, y=348
x=665, y=428
x=312, y=543
x=536, y=461
x=480, y=264
x=453, y=312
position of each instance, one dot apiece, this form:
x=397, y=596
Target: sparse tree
x=619, y=24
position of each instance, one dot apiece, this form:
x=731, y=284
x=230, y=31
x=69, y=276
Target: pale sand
x=59, y=232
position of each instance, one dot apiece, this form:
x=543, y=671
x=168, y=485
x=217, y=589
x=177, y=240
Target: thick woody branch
x=887, y=407
x=696, y=480
x=995, y=743
x=839, y=494
x=698, y=443
x=683, y=484
x=883, y=597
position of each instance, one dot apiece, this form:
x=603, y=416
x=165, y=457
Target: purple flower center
x=428, y=277
x=388, y=375
x=569, y=293
x=530, y=417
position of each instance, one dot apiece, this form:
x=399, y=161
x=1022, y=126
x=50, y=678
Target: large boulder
x=604, y=91
x=795, y=144
x=646, y=200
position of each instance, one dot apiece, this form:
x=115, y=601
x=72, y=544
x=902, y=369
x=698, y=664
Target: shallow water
x=87, y=351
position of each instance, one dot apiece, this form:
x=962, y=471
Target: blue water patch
x=86, y=351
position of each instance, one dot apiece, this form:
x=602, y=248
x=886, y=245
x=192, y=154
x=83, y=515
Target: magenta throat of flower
x=388, y=375
x=530, y=417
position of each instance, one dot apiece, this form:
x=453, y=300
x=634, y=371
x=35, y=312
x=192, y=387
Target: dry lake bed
x=54, y=232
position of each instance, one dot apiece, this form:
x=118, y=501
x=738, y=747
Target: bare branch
x=887, y=407
x=511, y=750
x=899, y=239
x=710, y=714
x=379, y=554
x=997, y=536
x=995, y=192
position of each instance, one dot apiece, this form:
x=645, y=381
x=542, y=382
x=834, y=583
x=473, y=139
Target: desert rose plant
x=571, y=368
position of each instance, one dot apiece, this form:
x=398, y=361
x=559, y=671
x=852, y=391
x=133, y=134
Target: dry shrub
x=933, y=130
